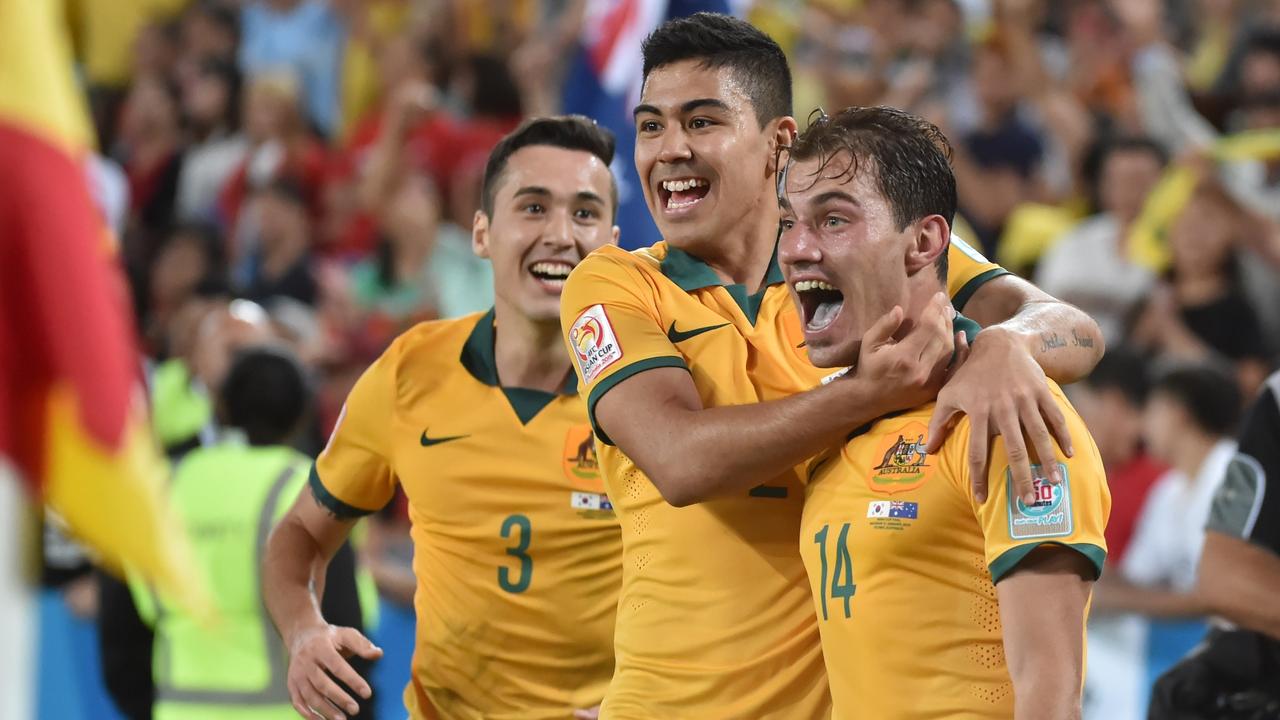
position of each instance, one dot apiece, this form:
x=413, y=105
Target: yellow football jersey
x=902, y=563
x=714, y=618
x=516, y=547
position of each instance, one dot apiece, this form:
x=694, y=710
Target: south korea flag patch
x=1050, y=514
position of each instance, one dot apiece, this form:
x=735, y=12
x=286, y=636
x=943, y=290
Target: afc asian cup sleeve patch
x=595, y=345
x=1049, y=516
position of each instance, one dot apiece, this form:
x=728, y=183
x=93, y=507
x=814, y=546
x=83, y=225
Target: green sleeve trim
x=340, y=509
x=961, y=298
x=608, y=383
x=1004, y=564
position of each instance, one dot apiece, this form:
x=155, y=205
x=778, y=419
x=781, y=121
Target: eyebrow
x=830, y=195
x=685, y=108
x=532, y=190
x=589, y=196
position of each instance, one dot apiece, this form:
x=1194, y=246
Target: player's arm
x=1239, y=575
x=298, y=554
x=1042, y=610
x=1027, y=334
x=351, y=478
x=1043, y=557
x=641, y=397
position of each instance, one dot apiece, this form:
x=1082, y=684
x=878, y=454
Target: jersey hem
x=1004, y=564
x=618, y=376
x=340, y=509
x=968, y=289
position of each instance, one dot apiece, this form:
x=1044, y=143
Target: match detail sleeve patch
x=594, y=343
x=1050, y=514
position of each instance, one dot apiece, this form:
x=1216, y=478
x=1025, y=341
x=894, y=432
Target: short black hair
x=723, y=41
x=1123, y=369
x=265, y=394
x=1209, y=393
x=571, y=132
x=910, y=157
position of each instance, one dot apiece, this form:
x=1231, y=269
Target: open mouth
x=551, y=274
x=682, y=194
x=821, y=303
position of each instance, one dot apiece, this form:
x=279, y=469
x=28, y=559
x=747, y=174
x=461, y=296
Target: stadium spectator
x=1188, y=421
x=304, y=38
x=211, y=104
x=281, y=265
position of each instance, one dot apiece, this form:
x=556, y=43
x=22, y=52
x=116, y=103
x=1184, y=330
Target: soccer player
x=516, y=548
x=690, y=356
x=932, y=604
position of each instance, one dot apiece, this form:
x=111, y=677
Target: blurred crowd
x=306, y=172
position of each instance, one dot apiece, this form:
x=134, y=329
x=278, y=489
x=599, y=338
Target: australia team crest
x=901, y=463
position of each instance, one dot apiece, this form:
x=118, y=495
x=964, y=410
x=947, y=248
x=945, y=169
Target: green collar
x=478, y=358
x=691, y=273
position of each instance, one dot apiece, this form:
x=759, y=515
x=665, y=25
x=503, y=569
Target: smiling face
x=705, y=162
x=846, y=261
x=552, y=206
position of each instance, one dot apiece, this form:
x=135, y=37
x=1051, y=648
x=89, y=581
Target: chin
x=831, y=356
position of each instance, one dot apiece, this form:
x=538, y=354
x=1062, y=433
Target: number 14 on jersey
x=842, y=586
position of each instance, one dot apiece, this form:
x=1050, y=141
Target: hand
x=410, y=102
x=587, y=714
x=315, y=654
x=908, y=371
x=1003, y=391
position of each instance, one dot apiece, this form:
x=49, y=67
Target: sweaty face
x=842, y=256
x=701, y=155
x=552, y=207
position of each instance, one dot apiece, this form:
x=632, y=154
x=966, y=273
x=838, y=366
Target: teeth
x=807, y=285
x=679, y=185
x=553, y=269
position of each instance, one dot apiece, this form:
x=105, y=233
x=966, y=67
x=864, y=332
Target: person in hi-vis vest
x=229, y=496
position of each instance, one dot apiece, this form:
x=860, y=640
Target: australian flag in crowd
x=604, y=83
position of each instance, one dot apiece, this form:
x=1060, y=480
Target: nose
x=798, y=247
x=558, y=230
x=675, y=146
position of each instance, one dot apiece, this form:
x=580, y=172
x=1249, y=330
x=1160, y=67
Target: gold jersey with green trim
x=902, y=563
x=715, y=619
x=516, y=547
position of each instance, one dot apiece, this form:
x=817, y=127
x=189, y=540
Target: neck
x=1190, y=451
x=528, y=354
x=742, y=255
x=1200, y=288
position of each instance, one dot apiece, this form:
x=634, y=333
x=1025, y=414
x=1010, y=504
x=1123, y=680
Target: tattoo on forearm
x=1079, y=341
x=1052, y=341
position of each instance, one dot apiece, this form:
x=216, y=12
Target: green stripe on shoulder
x=1005, y=564
x=340, y=509
x=608, y=384
x=967, y=291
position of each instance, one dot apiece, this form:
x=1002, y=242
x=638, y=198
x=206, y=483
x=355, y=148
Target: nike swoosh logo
x=429, y=441
x=676, y=336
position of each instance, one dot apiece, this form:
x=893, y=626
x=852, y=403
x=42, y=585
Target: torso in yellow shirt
x=714, y=618
x=902, y=563
x=516, y=547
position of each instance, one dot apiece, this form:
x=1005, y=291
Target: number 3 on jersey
x=517, y=528
x=842, y=585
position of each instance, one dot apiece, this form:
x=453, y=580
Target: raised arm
x=298, y=553
x=693, y=453
x=1027, y=334
x=1042, y=609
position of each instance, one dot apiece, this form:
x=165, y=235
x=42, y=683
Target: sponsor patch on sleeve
x=1049, y=515
x=595, y=346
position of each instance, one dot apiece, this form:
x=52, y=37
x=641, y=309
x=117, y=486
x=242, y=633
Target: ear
x=480, y=234
x=615, y=234
x=931, y=239
x=785, y=131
